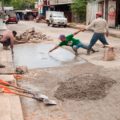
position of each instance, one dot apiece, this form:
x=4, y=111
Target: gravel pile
x=84, y=87
x=32, y=36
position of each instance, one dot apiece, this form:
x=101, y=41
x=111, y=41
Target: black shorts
x=6, y=43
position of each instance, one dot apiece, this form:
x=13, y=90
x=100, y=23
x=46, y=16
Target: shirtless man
x=7, y=39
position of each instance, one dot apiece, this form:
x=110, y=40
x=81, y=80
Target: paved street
x=89, y=91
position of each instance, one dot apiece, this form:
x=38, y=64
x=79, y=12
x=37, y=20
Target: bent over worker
x=69, y=40
x=8, y=38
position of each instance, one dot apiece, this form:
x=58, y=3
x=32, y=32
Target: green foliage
x=19, y=4
x=79, y=8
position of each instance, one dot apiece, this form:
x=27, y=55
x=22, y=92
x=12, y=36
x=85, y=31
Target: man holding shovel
x=69, y=40
x=7, y=39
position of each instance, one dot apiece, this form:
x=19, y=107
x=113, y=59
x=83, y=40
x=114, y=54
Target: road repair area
x=58, y=85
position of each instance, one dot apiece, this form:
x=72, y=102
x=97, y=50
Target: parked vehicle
x=11, y=18
x=56, y=18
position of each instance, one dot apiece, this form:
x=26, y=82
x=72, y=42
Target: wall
x=111, y=13
x=92, y=8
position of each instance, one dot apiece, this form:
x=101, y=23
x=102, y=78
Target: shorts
x=6, y=43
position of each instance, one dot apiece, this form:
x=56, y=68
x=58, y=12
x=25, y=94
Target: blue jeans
x=96, y=37
x=80, y=45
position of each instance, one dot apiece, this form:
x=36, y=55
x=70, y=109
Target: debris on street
x=21, y=69
x=109, y=54
x=31, y=36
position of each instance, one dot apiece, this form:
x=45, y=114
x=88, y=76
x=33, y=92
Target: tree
x=79, y=8
x=19, y=4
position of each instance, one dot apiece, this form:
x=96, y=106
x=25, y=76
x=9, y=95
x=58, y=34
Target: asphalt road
x=105, y=90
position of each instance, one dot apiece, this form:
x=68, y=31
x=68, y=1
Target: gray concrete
x=38, y=56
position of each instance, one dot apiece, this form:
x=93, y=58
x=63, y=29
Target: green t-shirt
x=70, y=41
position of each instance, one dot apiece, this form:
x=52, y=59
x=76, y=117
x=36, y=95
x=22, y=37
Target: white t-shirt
x=99, y=25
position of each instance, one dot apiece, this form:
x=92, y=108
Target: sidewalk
x=10, y=106
x=112, y=32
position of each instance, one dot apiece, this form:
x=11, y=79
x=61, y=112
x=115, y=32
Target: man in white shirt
x=100, y=27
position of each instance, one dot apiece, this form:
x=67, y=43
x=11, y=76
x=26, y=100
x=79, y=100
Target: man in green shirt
x=72, y=42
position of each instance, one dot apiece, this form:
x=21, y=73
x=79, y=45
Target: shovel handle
x=19, y=89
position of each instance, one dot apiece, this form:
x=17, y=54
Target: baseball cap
x=99, y=14
x=61, y=36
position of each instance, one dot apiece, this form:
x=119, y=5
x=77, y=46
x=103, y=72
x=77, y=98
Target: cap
x=99, y=14
x=61, y=36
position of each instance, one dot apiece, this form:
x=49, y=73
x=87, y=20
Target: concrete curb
x=10, y=105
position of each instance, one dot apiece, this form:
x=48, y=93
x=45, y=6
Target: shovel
x=23, y=92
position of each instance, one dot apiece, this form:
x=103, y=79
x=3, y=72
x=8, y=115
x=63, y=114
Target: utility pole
x=2, y=5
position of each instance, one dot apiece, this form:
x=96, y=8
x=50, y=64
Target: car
x=11, y=19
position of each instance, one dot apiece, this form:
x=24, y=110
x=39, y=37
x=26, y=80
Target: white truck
x=56, y=18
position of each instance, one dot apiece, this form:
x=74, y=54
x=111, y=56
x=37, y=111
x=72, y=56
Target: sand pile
x=84, y=87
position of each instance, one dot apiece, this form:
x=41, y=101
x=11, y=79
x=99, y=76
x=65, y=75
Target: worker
x=71, y=41
x=100, y=27
x=7, y=39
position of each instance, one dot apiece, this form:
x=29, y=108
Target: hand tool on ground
x=12, y=52
x=16, y=87
x=23, y=92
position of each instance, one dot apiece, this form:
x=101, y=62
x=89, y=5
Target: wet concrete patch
x=37, y=56
x=85, y=87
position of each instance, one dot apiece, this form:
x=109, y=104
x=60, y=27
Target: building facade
x=55, y=5
x=109, y=8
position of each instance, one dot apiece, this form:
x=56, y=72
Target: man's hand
x=54, y=48
x=50, y=51
x=83, y=29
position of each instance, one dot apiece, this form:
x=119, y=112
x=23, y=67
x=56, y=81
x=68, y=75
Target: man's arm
x=78, y=31
x=90, y=25
x=54, y=48
x=12, y=39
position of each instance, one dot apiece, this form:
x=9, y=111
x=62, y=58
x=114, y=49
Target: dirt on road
x=86, y=86
x=89, y=91
x=73, y=87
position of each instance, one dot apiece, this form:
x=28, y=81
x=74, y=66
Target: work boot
x=76, y=52
x=88, y=52
x=2, y=66
x=94, y=50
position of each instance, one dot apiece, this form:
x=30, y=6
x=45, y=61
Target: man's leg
x=103, y=39
x=80, y=45
x=92, y=42
x=75, y=49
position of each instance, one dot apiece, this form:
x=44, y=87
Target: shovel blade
x=49, y=102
